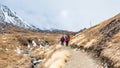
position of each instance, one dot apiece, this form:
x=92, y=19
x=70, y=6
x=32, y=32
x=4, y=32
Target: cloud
x=64, y=14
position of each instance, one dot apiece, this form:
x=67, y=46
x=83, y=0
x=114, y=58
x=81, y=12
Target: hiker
x=68, y=35
x=71, y=37
x=67, y=40
x=62, y=40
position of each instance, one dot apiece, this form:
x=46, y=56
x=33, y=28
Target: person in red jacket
x=66, y=40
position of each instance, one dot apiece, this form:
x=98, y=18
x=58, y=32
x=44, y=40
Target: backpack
x=62, y=39
x=66, y=38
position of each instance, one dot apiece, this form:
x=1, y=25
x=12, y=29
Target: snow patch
x=28, y=46
x=34, y=44
x=37, y=61
x=41, y=46
x=18, y=51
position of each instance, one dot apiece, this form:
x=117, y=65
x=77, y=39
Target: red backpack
x=66, y=39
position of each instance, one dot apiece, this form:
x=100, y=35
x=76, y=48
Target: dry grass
x=56, y=58
x=103, y=40
x=9, y=59
x=10, y=41
x=112, y=50
x=90, y=43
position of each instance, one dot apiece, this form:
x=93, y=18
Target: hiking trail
x=79, y=59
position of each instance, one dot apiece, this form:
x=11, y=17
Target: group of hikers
x=66, y=39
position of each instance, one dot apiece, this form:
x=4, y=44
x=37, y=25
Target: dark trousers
x=67, y=42
x=62, y=42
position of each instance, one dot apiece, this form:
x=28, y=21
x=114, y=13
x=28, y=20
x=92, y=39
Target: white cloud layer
x=64, y=14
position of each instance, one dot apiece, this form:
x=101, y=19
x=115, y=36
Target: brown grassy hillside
x=13, y=40
x=103, y=40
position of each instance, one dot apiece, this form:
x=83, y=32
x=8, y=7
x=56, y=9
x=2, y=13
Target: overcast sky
x=70, y=15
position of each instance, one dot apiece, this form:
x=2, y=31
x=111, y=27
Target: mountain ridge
x=10, y=17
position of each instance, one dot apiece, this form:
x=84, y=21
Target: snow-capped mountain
x=7, y=16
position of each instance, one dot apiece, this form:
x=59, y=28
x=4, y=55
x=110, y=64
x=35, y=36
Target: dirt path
x=79, y=59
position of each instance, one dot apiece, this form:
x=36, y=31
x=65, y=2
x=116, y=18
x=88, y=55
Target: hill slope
x=102, y=39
